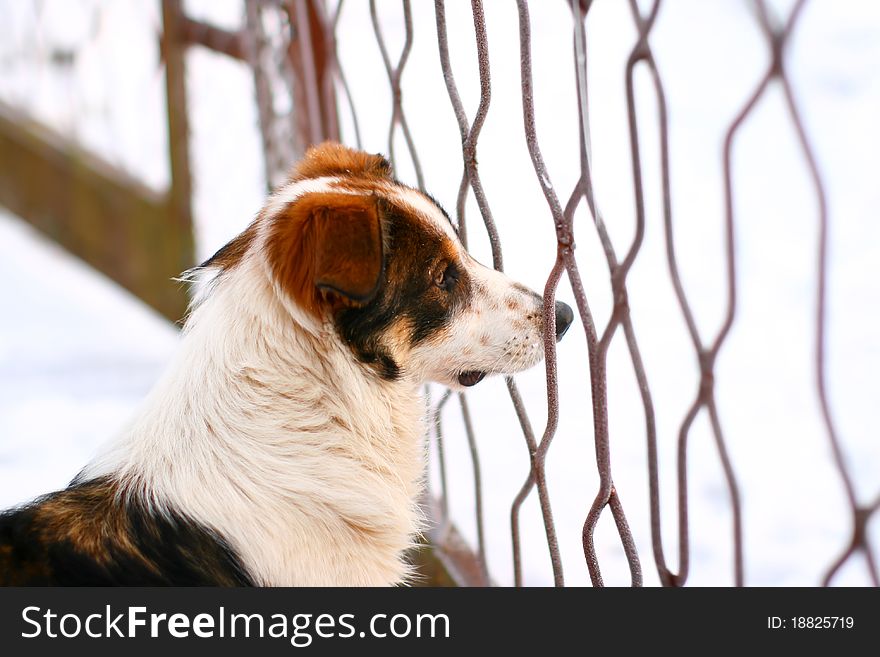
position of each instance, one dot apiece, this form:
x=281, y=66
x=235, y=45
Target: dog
x=284, y=445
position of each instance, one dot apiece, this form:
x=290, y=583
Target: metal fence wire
x=301, y=89
x=620, y=260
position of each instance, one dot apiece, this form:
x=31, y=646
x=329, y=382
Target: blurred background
x=138, y=136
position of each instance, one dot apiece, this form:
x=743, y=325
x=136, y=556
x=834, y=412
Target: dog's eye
x=446, y=276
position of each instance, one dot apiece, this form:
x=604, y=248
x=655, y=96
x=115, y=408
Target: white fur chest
x=280, y=442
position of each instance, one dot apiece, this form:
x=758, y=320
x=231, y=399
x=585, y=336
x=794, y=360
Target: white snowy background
x=77, y=353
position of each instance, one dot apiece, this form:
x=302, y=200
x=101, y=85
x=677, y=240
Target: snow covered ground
x=77, y=353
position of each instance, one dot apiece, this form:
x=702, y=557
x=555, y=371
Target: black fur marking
x=407, y=291
x=87, y=536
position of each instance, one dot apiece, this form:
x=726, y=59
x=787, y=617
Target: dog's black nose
x=564, y=318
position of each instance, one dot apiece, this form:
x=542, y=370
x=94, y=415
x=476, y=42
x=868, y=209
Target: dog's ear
x=326, y=249
x=348, y=250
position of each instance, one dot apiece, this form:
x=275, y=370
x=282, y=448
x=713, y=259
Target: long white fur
x=266, y=429
x=254, y=428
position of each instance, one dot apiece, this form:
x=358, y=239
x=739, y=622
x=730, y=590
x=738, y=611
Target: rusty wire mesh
x=705, y=351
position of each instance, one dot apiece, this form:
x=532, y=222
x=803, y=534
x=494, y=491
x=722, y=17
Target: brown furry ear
x=327, y=248
x=330, y=158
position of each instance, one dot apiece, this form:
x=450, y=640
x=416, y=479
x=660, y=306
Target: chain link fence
x=620, y=260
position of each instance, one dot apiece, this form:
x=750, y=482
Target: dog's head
x=351, y=247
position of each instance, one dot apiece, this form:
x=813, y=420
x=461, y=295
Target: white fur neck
x=278, y=440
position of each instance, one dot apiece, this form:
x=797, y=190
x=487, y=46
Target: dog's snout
x=564, y=318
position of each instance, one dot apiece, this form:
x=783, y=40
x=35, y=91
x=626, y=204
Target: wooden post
x=113, y=222
x=180, y=194
x=315, y=114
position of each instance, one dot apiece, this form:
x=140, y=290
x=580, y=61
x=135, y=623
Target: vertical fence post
x=180, y=193
x=314, y=99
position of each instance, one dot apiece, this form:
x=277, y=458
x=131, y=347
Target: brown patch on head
x=326, y=250
x=327, y=159
x=364, y=186
x=330, y=159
